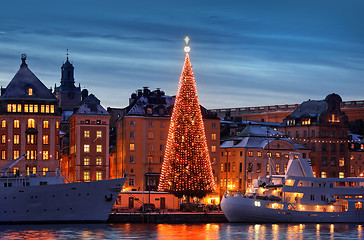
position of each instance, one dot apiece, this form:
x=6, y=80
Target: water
x=182, y=231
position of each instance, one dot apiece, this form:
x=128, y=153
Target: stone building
x=322, y=127
x=30, y=120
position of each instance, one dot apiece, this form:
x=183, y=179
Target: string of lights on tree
x=186, y=169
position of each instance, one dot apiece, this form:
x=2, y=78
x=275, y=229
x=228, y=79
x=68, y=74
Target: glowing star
x=187, y=48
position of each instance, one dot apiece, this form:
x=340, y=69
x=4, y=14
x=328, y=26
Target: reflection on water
x=182, y=231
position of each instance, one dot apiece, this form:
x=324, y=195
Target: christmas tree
x=186, y=169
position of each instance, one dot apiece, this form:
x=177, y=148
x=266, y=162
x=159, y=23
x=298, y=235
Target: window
x=150, y=123
x=221, y=167
x=31, y=138
x=341, y=162
x=358, y=206
x=45, y=170
x=333, y=161
x=86, y=161
x=16, y=139
x=323, y=174
x=163, y=135
x=98, y=122
x=277, y=168
x=161, y=147
x=259, y=167
x=30, y=91
x=267, y=168
x=45, y=139
x=3, y=139
x=132, y=147
x=99, y=148
x=149, y=111
x=57, y=124
x=98, y=176
x=3, y=154
x=86, y=148
x=150, y=159
x=213, y=160
x=132, y=134
x=47, y=109
x=45, y=124
x=341, y=174
x=16, y=124
x=16, y=170
x=323, y=161
x=161, y=159
x=324, y=147
x=297, y=134
x=31, y=155
x=150, y=148
x=250, y=153
x=213, y=149
x=45, y=155
x=87, y=121
x=278, y=155
x=131, y=159
x=131, y=181
x=269, y=154
x=132, y=123
x=150, y=135
x=34, y=170
x=86, y=134
x=3, y=123
x=313, y=147
x=352, y=169
x=16, y=154
x=333, y=147
x=313, y=133
x=99, y=161
x=31, y=123
x=250, y=167
x=52, y=108
x=86, y=176
x=342, y=147
x=213, y=125
x=213, y=136
x=259, y=154
x=99, y=134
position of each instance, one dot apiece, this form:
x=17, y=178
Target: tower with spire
x=186, y=169
x=67, y=93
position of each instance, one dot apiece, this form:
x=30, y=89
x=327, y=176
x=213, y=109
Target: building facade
x=141, y=139
x=30, y=120
x=255, y=152
x=88, y=157
x=322, y=127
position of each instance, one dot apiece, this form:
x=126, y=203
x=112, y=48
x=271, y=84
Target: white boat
x=51, y=199
x=297, y=196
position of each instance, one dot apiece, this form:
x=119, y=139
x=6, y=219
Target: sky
x=244, y=53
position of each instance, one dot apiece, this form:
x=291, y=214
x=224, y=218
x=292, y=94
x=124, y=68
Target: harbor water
x=182, y=231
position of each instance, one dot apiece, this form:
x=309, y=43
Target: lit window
x=34, y=170
x=277, y=168
x=30, y=91
x=31, y=155
x=31, y=138
x=99, y=148
x=57, y=124
x=35, y=108
x=86, y=176
x=42, y=108
x=213, y=148
x=45, y=170
x=150, y=135
x=13, y=106
x=99, y=161
x=16, y=124
x=3, y=123
x=86, y=161
x=45, y=124
x=16, y=139
x=86, y=134
x=16, y=154
x=221, y=167
x=45, y=155
x=98, y=134
x=52, y=108
x=26, y=108
x=341, y=162
x=19, y=107
x=213, y=136
x=98, y=175
x=9, y=107
x=3, y=139
x=47, y=109
x=86, y=148
x=269, y=154
x=45, y=139
x=31, y=123
x=150, y=159
x=341, y=175
x=259, y=154
x=250, y=153
x=132, y=147
x=31, y=109
x=323, y=174
x=3, y=154
x=278, y=155
x=16, y=170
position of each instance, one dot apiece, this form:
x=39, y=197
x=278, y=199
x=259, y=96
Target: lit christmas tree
x=186, y=169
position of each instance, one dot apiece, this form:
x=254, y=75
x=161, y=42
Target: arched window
x=31, y=123
x=30, y=91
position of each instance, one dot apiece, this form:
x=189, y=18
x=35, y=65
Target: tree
x=186, y=169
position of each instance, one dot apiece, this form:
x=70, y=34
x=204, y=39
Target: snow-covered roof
x=91, y=106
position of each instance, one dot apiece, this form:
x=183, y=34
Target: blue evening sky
x=244, y=53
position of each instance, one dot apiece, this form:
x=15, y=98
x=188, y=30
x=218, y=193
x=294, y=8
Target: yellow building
x=141, y=138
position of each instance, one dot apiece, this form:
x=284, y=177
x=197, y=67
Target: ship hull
x=240, y=209
x=72, y=202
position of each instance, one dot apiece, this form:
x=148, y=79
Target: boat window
x=358, y=206
x=289, y=182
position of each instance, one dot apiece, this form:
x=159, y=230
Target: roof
x=91, y=106
x=24, y=79
x=310, y=108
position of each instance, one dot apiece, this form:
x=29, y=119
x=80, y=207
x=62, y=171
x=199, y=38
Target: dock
x=168, y=217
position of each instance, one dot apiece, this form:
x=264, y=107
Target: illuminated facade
x=88, y=157
x=322, y=127
x=253, y=153
x=141, y=135
x=30, y=119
